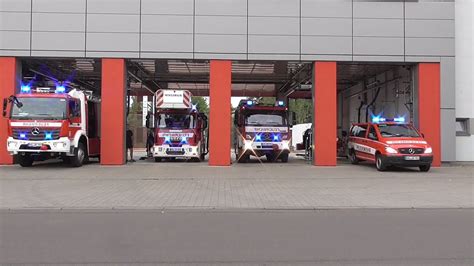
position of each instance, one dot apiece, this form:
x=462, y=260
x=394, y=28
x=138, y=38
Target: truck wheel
x=353, y=158
x=284, y=157
x=202, y=157
x=379, y=163
x=80, y=155
x=425, y=168
x=158, y=159
x=25, y=160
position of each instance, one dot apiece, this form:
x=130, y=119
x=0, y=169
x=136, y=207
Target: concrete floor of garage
x=178, y=185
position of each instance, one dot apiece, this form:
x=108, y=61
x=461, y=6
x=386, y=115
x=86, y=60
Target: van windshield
x=40, y=108
x=398, y=131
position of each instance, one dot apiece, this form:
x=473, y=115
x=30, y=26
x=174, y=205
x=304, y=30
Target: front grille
x=411, y=150
x=266, y=137
x=43, y=133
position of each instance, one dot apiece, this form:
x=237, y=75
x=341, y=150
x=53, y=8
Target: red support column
x=220, y=83
x=325, y=113
x=429, y=104
x=112, y=146
x=8, y=85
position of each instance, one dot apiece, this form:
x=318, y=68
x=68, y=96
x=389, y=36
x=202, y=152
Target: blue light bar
x=378, y=119
x=281, y=103
x=48, y=136
x=399, y=119
x=60, y=89
x=25, y=89
x=258, y=137
x=249, y=102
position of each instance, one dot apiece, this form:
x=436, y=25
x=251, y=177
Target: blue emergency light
x=184, y=140
x=258, y=137
x=48, y=136
x=25, y=88
x=281, y=103
x=167, y=139
x=399, y=119
x=250, y=103
x=276, y=137
x=23, y=136
x=378, y=119
x=60, y=89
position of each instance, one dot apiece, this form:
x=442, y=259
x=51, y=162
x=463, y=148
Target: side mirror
x=5, y=104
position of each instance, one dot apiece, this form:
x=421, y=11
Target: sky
x=234, y=100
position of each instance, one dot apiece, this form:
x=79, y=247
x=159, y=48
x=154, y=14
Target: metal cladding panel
x=429, y=10
x=221, y=7
x=221, y=44
x=429, y=28
x=429, y=46
x=276, y=8
x=59, y=22
x=169, y=7
x=58, y=41
x=378, y=27
x=15, y=5
x=326, y=26
x=378, y=46
x=167, y=24
x=274, y=44
x=15, y=40
x=171, y=43
x=274, y=26
x=113, y=23
x=326, y=45
x=113, y=42
x=448, y=135
x=113, y=6
x=15, y=21
x=56, y=53
x=376, y=9
x=326, y=8
x=69, y=6
x=448, y=82
x=221, y=25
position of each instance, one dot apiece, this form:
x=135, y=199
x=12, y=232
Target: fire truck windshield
x=40, y=108
x=265, y=119
x=398, y=131
x=176, y=121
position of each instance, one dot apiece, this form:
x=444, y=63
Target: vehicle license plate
x=412, y=158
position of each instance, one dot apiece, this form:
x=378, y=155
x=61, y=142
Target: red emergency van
x=389, y=142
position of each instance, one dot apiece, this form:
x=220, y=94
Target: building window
x=462, y=127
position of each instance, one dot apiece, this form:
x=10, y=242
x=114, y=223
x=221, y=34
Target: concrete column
x=220, y=83
x=429, y=102
x=325, y=113
x=8, y=85
x=112, y=146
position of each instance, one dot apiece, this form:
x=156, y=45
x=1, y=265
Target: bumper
x=400, y=160
x=185, y=151
x=61, y=145
x=262, y=148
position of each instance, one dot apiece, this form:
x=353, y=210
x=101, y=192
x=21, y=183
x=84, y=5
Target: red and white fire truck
x=389, y=142
x=262, y=130
x=46, y=123
x=180, y=130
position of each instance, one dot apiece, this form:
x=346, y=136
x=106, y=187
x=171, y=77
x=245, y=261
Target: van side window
x=372, y=133
x=74, y=108
x=359, y=131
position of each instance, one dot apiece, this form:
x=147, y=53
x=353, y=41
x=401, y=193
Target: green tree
x=201, y=104
x=303, y=110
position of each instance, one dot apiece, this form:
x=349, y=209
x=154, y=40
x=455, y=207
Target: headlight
x=12, y=144
x=247, y=145
x=429, y=150
x=285, y=145
x=390, y=150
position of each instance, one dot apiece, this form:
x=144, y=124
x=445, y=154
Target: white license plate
x=34, y=145
x=174, y=149
x=412, y=158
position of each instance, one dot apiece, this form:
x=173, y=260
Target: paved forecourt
x=296, y=185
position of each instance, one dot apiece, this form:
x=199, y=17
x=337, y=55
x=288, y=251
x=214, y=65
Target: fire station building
x=399, y=57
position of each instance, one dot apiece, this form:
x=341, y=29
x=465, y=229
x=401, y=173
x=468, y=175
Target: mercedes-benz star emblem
x=411, y=151
x=35, y=131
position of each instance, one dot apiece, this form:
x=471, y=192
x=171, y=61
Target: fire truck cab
x=262, y=130
x=180, y=131
x=389, y=143
x=46, y=123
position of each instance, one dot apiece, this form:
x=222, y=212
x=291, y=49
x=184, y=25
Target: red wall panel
x=8, y=84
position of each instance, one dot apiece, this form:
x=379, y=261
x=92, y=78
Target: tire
x=379, y=163
x=425, y=168
x=25, y=160
x=158, y=159
x=202, y=157
x=80, y=155
x=284, y=157
x=353, y=158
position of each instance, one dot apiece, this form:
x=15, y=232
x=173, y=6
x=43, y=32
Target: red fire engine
x=389, y=142
x=180, y=131
x=49, y=123
x=262, y=130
